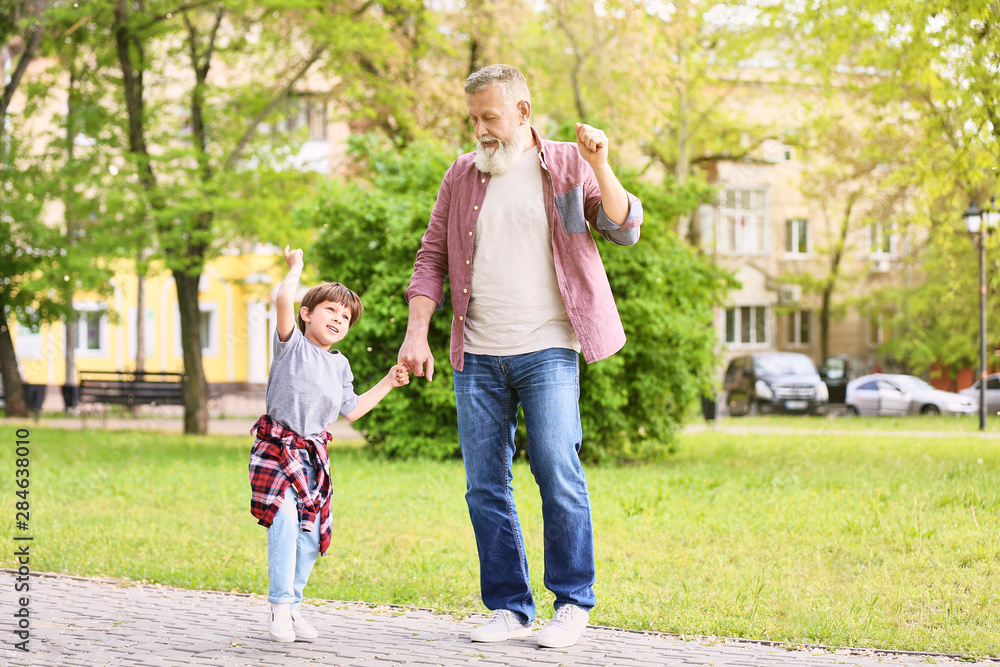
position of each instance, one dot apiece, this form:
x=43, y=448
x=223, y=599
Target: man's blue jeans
x=488, y=391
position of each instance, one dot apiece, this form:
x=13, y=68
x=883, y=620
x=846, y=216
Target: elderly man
x=512, y=231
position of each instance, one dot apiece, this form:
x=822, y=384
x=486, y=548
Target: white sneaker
x=279, y=626
x=565, y=627
x=503, y=624
x=303, y=628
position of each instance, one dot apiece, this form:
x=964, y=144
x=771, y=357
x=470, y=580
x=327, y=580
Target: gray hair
x=513, y=86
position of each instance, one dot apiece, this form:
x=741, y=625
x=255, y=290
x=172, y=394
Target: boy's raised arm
x=285, y=299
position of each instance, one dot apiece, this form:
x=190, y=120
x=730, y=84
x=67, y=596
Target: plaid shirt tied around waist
x=276, y=464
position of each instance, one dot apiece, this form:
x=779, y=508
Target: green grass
x=878, y=541
x=956, y=424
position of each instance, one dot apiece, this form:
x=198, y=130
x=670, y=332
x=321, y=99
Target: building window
x=883, y=244
x=797, y=237
x=799, y=327
x=745, y=229
x=209, y=330
x=301, y=111
x=207, y=333
x=315, y=111
x=878, y=329
x=91, y=327
x=883, y=240
x=746, y=326
x=30, y=342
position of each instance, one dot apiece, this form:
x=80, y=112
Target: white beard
x=499, y=160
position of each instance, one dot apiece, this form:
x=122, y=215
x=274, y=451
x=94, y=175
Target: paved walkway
x=84, y=622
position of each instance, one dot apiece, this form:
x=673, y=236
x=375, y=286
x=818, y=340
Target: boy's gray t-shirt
x=308, y=386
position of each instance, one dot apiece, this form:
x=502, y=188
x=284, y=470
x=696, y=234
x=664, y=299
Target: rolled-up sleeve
x=626, y=233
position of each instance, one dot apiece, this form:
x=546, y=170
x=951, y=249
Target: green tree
x=44, y=260
x=938, y=62
x=852, y=173
x=934, y=332
x=631, y=404
x=209, y=176
x=23, y=30
x=659, y=76
x=369, y=231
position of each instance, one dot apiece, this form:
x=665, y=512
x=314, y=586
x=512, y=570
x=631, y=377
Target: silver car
x=992, y=393
x=885, y=394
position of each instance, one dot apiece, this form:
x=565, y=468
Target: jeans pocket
x=570, y=207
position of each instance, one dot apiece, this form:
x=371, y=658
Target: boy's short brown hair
x=331, y=292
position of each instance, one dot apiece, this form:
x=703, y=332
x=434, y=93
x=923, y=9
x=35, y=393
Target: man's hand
x=413, y=354
x=593, y=145
x=293, y=257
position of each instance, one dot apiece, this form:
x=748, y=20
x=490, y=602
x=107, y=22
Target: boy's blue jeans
x=291, y=553
x=488, y=391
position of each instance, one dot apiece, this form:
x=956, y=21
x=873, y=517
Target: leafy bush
x=631, y=404
x=370, y=229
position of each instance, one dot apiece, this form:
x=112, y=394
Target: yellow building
x=237, y=321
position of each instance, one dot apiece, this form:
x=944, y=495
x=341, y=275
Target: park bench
x=131, y=388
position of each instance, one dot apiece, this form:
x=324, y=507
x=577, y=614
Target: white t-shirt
x=515, y=305
x=308, y=386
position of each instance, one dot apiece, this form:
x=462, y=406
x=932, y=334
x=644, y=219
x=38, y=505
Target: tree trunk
x=195, y=384
x=831, y=280
x=581, y=109
x=824, y=324
x=72, y=333
x=687, y=227
x=140, y=322
x=69, y=200
x=473, y=56
x=13, y=389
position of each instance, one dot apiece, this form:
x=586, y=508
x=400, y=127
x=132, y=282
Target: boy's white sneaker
x=303, y=628
x=279, y=627
x=565, y=627
x=503, y=624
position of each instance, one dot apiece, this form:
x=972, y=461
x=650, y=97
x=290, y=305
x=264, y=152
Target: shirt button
x=465, y=291
x=483, y=181
x=467, y=262
x=475, y=208
x=460, y=318
x=470, y=233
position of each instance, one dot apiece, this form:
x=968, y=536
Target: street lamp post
x=978, y=223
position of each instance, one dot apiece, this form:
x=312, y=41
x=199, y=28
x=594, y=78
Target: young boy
x=308, y=386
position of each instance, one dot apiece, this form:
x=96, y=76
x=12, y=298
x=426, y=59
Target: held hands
x=416, y=355
x=293, y=257
x=593, y=145
x=398, y=376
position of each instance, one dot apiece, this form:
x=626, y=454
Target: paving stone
x=79, y=622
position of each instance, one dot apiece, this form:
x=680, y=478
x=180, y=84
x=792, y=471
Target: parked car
x=992, y=393
x=889, y=394
x=836, y=373
x=774, y=382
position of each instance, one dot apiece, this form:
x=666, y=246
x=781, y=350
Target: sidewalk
x=84, y=622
